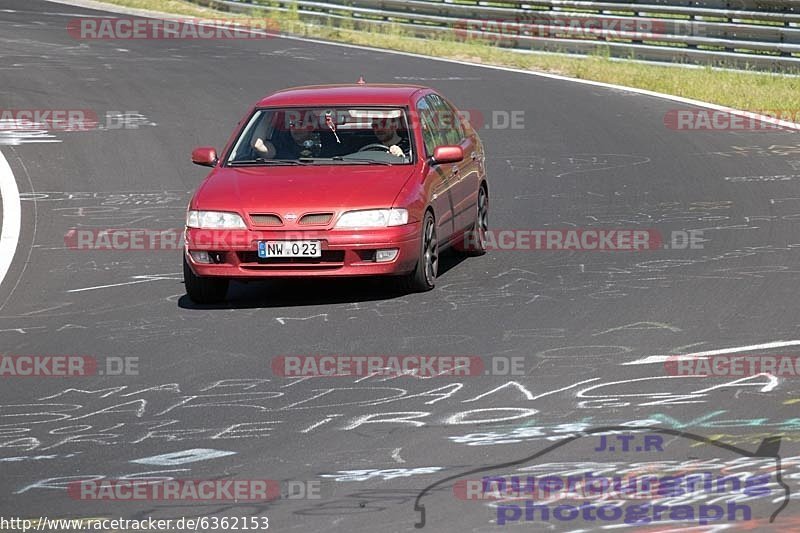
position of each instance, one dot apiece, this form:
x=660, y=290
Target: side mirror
x=448, y=154
x=205, y=156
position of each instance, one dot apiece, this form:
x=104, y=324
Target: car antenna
x=361, y=80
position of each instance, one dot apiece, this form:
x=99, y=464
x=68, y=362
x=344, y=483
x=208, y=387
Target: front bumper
x=344, y=252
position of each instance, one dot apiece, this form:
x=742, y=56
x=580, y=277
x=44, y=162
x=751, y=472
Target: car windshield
x=324, y=136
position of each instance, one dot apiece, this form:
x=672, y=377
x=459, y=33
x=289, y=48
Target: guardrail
x=744, y=34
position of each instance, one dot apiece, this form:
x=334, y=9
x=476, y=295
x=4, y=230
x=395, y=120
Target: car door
x=439, y=178
x=465, y=174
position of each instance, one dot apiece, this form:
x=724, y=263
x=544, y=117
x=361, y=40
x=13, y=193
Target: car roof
x=349, y=94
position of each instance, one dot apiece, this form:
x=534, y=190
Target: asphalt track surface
x=587, y=157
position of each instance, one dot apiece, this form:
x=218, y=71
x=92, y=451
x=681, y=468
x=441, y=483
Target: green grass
x=742, y=90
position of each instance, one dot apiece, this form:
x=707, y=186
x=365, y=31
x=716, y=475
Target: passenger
x=302, y=141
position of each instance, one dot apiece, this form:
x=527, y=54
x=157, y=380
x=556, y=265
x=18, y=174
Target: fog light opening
x=384, y=256
x=200, y=257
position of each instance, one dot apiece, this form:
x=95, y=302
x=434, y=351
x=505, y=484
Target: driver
x=386, y=132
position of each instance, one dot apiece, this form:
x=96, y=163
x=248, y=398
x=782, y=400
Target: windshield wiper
x=360, y=160
x=262, y=161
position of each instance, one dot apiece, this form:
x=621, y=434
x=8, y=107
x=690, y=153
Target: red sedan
x=338, y=180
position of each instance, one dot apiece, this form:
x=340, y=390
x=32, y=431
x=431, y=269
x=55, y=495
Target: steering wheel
x=374, y=146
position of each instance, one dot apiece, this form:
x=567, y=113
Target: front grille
x=265, y=219
x=321, y=219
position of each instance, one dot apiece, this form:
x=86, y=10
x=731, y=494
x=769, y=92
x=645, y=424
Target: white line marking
x=688, y=101
x=12, y=217
x=396, y=455
x=663, y=358
x=23, y=331
x=139, y=279
x=283, y=319
x=325, y=421
x=183, y=457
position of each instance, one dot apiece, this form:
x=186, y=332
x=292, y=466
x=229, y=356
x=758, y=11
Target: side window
x=450, y=127
x=458, y=123
x=426, y=122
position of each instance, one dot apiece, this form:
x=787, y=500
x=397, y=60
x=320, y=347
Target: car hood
x=298, y=189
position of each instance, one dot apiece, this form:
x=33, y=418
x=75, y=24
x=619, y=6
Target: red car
x=338, y=180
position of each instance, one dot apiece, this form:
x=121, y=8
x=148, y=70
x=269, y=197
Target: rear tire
x=203, y=290
x=476, y=236
x=423, y=277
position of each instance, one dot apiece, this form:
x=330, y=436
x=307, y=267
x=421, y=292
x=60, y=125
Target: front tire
x=423, y=277
x=203, y=290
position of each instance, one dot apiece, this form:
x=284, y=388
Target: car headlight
x=373, y=218
x=214, y=220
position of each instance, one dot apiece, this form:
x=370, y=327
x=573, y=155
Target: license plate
x=289, y=249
